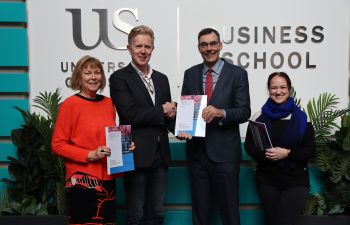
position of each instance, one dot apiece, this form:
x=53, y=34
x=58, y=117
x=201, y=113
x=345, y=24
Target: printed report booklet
x=189, y=115
x=118, y=139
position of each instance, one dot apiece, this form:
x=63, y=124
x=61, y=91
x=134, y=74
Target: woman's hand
x=276, y=153
x=132, y=147
x=99, y=153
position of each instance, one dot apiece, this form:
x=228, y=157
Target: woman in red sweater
x=79, y=137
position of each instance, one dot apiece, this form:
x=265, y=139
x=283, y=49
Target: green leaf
x=340, y=168
x=323, y=113
x=36, y=170
x=336, y=210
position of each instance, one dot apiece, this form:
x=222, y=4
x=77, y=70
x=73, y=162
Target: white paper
x=114, y=142
x=189, y=115
x=183, y=120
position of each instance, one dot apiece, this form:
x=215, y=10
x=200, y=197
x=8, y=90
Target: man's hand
x=210, y=112
x=169, y=109
x=184, y=136
x=132, y=146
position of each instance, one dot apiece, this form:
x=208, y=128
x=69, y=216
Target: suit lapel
x=138, y=81
x=157, y=89
x=199, y=81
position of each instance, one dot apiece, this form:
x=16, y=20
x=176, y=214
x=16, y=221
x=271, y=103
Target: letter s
x=121, y=25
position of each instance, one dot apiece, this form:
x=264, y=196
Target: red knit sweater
x=79, y=129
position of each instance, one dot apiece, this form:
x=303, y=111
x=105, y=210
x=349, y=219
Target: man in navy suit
x=214, y=160
x=142, y=98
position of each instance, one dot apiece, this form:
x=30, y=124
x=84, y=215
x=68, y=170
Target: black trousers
x=221, y=179
x=282, y=206
x=146, y=188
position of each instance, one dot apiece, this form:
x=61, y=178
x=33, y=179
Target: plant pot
x=324, y=220
x=33, y=220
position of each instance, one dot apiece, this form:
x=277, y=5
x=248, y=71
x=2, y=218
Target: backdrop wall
x=309, y=40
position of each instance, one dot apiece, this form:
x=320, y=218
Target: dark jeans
x=221, y=179
x=145, y=188
x=282, y=206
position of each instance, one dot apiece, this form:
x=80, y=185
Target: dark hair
x=206, y=31
x=84, y=62
x=280, y=74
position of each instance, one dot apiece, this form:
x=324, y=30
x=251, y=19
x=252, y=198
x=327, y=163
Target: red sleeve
x=61, y=140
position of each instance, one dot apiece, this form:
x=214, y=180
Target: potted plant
x=333, y=159
x=37, y=187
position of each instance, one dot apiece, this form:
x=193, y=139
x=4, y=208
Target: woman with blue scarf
x=282, y=177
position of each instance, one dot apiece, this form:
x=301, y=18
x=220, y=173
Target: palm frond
x=49, y=103
x=293, y=94
x=322, y=113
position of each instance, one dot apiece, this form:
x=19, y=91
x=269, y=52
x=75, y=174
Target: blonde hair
x=140, y=30
x=75, y=80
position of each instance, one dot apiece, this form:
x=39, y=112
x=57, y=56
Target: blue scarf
x=293, y=134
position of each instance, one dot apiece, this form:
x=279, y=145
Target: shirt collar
x=216, y=68
x=150, y=70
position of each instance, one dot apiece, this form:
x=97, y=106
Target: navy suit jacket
x=135, y=107
x=231, y=93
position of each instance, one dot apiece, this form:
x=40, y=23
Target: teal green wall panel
x=316, y=180
x=13, y=12
x=245, y=156
x=13, y=47
x=10, y=117
x=7, y=149
x=178, y=151
x=175, y=217
x=247, y=191
x=252, y=217
x=179, y=193
x=3, y=174
x=178, y=189
x=14, y=82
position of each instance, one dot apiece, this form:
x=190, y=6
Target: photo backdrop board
x=307, y=39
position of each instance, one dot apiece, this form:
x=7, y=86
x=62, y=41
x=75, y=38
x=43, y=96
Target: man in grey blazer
x=214, y=160
x=142, y=99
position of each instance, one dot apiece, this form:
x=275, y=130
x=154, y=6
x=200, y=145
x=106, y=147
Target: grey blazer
x=231, y=93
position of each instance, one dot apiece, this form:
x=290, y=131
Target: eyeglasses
x=212, y=44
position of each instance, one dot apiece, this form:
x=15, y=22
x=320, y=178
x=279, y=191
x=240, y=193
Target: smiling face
x=209, y=46
x=279, y=90
x=140, y=49
x=91, y=81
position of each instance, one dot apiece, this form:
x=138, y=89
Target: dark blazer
x=135, y=107
x=231, y=93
